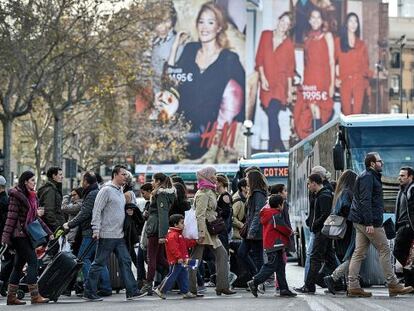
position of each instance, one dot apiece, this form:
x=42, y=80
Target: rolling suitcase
x=60, y=272
x=116, y=281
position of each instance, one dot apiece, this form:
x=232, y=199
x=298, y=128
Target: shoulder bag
x=334, y=227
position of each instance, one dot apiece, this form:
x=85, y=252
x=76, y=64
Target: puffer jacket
x=274, y=232
x=239, y=214
x=15, y=226
x=254, y=204
x=158, y=220
x=367, y=204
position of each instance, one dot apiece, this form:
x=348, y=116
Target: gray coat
x=254, y=204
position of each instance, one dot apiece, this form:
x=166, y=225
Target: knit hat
x=207, y=173
x=319, y=170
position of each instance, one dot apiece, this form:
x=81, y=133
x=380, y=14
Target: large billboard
x=289, y=66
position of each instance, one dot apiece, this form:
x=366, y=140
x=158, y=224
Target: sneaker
x=159, y=293
x=201, y=289
x=232, y=278
x=104, y=293
x=91, y=297
x=261, y=288
x=189, y=295
x=136, y=296
x=287, y=293
x=147, y=288
x=330, y=283
x=252, y=287
x=210, y=284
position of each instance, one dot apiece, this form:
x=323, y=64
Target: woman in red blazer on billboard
x=319, y=78
x=275, y=63
x=352, y=66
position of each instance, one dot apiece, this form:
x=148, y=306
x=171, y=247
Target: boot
x=12, y=296
x=399, y=289
x=358, y=292
x=35, y=296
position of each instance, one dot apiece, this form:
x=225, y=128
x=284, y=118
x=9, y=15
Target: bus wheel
x=301, y=249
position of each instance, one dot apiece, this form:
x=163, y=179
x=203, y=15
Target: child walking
x=276, y=235
x=177, y=255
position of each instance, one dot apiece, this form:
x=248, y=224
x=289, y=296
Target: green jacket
x=158, y=219
x=50, y=197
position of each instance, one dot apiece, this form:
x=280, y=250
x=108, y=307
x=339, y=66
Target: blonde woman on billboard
x=319, y=77
x=352, y=66
x=275, y=62
x=211, y=84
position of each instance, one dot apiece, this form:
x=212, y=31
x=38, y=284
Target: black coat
x=4, y=207
x=367, y=204
x=84, y=217
x=253, y=206
x=322, y=207
x=133, y=226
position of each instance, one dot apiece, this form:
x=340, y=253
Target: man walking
x=83, y=220
x=50, y=197
x=322, y=251
x=107, y=225
x=367, y=215
x=404, y=216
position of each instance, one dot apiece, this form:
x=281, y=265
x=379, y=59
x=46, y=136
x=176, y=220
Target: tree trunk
x=58, y=139
x=7, y=144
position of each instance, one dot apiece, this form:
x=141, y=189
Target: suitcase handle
x=87, y=249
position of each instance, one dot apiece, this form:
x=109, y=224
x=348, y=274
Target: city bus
x=273, y=165
x=342, y=144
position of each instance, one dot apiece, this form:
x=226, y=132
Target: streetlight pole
x=248, y=124
x=401, y=42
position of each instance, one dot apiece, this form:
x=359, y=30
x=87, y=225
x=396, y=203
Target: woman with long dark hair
x=251, y=249
x=162, y=198
x=181, y=204
x=352, y=68
x=275, y=63
x=23, y=210
x=342, y=205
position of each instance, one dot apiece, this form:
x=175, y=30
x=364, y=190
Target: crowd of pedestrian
x=242, y=238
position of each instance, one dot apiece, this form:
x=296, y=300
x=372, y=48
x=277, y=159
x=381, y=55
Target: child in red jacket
x=176, y=247
x=276, y=235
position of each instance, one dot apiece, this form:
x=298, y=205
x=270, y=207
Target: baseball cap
x=2, y=181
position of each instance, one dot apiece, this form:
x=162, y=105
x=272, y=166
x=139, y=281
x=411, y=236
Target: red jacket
x=177, y=246
x=273, y=234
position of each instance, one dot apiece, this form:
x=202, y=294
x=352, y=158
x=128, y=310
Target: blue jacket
x=367, y=204
x=253, y=206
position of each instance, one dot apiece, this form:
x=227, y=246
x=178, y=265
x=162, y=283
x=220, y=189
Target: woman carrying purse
x=23, y=210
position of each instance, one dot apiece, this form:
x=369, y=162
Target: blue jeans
x=105, y=281
x=308, y=254
x=250, y=253
x=177, y=273
x=103, y=252
x=276, y=264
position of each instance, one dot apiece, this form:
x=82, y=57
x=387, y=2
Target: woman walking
x=23, y=210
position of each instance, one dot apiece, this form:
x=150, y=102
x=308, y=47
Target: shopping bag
x=190, y=225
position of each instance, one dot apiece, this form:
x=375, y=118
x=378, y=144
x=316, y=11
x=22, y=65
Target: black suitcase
x=59, y=273
x=116, y=281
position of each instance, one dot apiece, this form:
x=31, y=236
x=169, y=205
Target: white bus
x=342, y=144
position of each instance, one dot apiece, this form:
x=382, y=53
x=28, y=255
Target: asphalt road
x=243, y=300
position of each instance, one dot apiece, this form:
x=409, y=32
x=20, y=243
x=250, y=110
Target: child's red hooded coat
x=274, y=233
x=176, y=246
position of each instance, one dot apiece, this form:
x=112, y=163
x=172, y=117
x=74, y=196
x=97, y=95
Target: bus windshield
x=394, y=144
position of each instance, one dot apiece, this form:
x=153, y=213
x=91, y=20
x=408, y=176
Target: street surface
x=242, y=301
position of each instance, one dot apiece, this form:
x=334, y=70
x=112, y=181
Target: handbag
x=389, y=229
x=36, y=233
x=216, y=226
x=334, y=227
